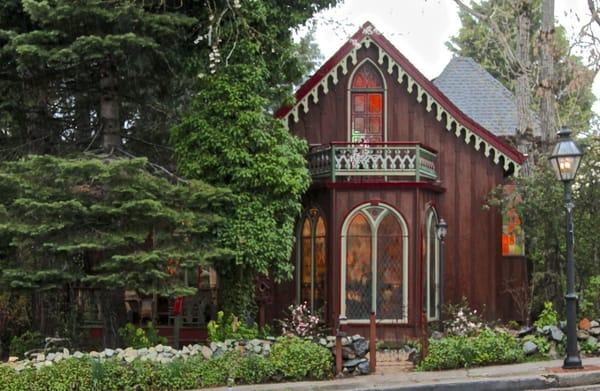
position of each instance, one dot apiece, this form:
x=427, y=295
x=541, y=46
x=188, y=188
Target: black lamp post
x=565, y=159
x=441, y=231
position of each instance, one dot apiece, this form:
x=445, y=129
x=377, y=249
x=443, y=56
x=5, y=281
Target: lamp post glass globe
x=442, y=229
x=566, y=156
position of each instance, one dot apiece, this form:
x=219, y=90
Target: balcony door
x=367, y=102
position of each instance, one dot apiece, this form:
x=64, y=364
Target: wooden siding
x=474, y=265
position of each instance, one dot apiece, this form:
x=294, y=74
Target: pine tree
x=110, y=225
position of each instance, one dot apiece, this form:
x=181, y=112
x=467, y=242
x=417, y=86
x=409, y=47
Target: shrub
x=462, y=320
x=230, y=328
x=590, y=299
x=462, y=351
x=137, y=337
x=301, y=322
x=548, y=317
x=297, y=359
x=30, y=340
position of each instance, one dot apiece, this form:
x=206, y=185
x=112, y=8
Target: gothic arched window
x=367, y=96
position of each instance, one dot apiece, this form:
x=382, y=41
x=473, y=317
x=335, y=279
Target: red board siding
x=474, y=265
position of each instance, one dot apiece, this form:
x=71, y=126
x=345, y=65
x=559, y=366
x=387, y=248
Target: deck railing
x=391, y=160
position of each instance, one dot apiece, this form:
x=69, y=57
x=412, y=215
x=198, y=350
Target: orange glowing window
x=367, y=105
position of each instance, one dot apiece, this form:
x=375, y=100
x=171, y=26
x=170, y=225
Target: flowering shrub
x=548, y=317
x=301, y=322
x=462, y=320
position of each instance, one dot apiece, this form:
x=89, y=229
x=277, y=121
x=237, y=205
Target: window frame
x=352, y=90
x=313, y=215
x=374, y=223
x=431, y=217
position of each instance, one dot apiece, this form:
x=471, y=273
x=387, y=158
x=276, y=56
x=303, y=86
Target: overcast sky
x=420, y=28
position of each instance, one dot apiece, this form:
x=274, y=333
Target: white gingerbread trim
x=451, y=123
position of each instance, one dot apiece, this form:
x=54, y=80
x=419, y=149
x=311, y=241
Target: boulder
x=50, y=356
x=109, y=353
x=594, y=323
x=529, y=348
x=582, y=334
x=12, y=359
x=360, y=346
x=595, y=331
x=363, y=368
x=348, y=353
x=206, y=352
x=346, y=341
x=159, y=348
x=585, y=324
x=78, y=354
x=556, y=334
x=351, y=364
x=524, y=331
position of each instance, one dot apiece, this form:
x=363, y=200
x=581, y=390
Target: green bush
x=548, y=317
x=486, y=348
x=291, y=358
x=590, y=299
x=299, y=359
x=137, y=337
x=230, y=327
x=27, y=341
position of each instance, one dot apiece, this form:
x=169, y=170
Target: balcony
x=396, y=161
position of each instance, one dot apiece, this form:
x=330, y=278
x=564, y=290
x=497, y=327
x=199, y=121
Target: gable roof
x=481, y=96
x=446, y=111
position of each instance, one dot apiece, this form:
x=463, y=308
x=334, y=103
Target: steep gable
x=445, y=111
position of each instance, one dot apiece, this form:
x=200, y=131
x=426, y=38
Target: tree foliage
x=229, y=138
x=111, y=225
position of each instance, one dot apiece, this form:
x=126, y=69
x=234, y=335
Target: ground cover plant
x=291, y=358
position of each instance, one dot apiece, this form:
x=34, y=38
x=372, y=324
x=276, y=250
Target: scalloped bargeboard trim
x=451, y=123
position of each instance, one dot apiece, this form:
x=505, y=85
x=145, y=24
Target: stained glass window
x=312, y=282
x=389, y=269
x=367, y=105
x=513, y=236
x=374, y=243
x=358, y=271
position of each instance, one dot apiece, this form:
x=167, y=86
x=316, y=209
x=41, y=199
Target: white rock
x=206, y=352
x=159, y=348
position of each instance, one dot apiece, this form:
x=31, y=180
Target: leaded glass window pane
x=389, y=269
x=320, y=284
x=358, y=269
x=306, y=262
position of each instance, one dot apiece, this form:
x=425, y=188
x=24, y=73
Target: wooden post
x=338, y=346
x=372, y=344
x=424, y=339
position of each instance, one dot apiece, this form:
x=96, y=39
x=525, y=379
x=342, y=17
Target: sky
x=421, y=28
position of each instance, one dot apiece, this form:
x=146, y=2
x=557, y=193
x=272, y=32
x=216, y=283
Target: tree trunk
x=522, y=88
x=112, y=305
x=109, y=107
x=546, y=87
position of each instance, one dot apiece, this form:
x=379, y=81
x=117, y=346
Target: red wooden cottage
x=390, y=155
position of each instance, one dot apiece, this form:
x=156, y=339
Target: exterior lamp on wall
x=441, y=231
x=565, y=159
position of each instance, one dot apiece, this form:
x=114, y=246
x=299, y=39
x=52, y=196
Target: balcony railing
x=393, y=160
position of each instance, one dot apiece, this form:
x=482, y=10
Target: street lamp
x=565, y=159
x=441, y=231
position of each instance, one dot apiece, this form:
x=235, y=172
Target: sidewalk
x=527, y=376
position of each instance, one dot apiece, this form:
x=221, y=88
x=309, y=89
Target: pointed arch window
x=432, y=266
x=312, y=260
x=367, y=97
x=375, y=265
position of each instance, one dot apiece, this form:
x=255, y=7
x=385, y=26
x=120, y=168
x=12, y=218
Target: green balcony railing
x=393, y=160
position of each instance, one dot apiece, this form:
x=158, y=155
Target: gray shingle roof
x=480, y=96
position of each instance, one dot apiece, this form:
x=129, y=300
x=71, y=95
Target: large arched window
x=312, y=261
x=432, y=266
x=375, y=264
x=367, y=101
